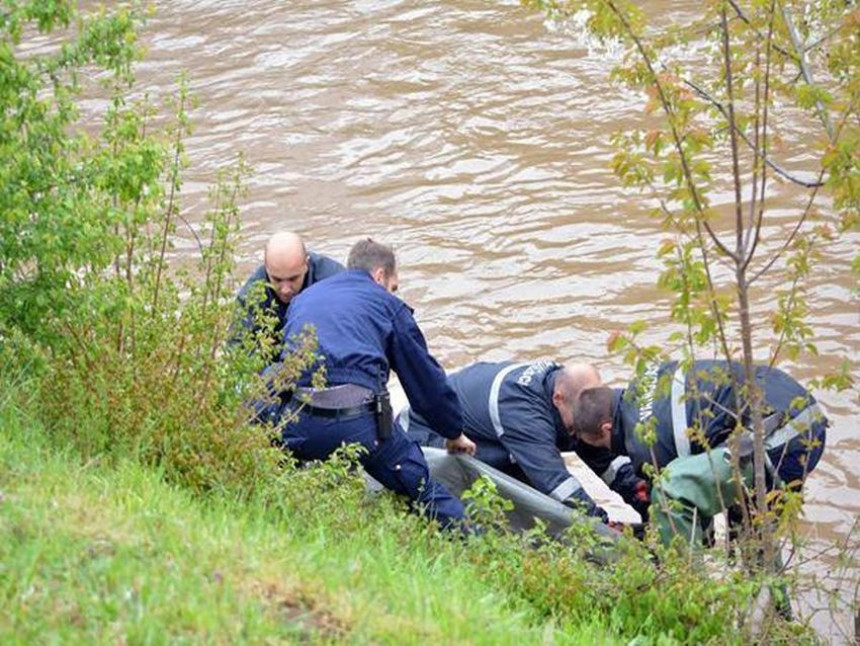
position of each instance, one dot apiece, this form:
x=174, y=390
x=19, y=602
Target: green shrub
x=659, y=596
x=129, y=350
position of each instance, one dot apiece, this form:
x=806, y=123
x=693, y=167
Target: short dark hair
x=371, y=255
x=592, y=409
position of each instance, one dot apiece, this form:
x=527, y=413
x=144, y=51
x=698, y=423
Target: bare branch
x=676, y=136
x=739, y=12
x=733, y=138
x=706, y=260
x=788, y=242
x=804, y=68
x=712, y=234
x=760, y=151
x=806, y=211
x=193, y=232
x=773, y=165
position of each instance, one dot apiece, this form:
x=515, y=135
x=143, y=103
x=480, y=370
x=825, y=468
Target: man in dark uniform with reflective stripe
x=519, y=416
x=692, y=414
x=287, y=269
x=363, y=331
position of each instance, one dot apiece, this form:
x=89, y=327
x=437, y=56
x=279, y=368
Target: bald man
x=287, y=269
x=520, y=416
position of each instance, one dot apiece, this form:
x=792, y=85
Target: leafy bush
x=658, y=596
x=129, y=350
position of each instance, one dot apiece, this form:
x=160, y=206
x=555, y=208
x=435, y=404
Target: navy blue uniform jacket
x=319, y=268
x=704, y=397
x=509, y=414
x=379, y=335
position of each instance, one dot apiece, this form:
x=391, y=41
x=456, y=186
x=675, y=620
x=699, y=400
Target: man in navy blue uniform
x=363, y=331
x=288, y=268
x=520, y=417
x=693, y=413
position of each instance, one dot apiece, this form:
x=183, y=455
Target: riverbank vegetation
x=139, y=504
x=99, y=547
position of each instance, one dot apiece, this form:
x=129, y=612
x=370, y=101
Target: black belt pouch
x=384, y=417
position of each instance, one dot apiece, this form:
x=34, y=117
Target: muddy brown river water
x=474, y=138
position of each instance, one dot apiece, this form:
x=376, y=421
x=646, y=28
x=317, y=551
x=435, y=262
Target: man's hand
x=461, y=444
x=580, y=500
x=641, y=499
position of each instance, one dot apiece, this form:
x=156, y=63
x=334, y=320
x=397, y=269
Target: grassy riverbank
x=91, y=553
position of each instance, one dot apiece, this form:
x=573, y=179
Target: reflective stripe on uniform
x=611, y=472
x=566, y=489
x=679, y=413
x=795, y=427
x=494, y=397
x=403, y=419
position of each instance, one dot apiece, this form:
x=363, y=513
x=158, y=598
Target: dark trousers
x=397, y=463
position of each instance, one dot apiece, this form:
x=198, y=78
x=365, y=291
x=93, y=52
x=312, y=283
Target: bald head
x=579, y=376
x=286, y=261
x=284, y=246
x=569, y=382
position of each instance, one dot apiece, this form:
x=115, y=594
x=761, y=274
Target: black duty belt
x=344, y=401
x=337, y=413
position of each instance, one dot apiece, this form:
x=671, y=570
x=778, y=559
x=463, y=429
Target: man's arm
x=530, y=439
x=618, y=474
x=422, y=378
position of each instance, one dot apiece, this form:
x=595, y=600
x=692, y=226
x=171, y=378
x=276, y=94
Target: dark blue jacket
x=509, y=414
x=257, y=295
x=705, y=397
x=363, y=333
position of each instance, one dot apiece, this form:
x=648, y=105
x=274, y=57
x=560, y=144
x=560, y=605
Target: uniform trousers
x=396, y=462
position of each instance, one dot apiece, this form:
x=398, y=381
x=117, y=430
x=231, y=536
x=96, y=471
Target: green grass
x=99, y=554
